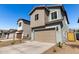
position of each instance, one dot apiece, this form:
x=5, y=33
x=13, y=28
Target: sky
x=10, y=13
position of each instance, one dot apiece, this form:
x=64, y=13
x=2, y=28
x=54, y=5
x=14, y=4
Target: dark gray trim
x=38, y=27
x=44, y=29
x=24, y=20
x=38, y=7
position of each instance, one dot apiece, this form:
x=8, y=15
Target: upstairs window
x=20, y=24
x=36, y=16
x=54, y=15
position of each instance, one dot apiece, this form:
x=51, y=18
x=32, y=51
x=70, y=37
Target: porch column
x=59, y=35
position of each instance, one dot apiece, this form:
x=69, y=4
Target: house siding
x=26, y=29
x=65, y=28
x=40, y=21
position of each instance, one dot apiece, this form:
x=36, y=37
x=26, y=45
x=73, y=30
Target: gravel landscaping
x=67, y=48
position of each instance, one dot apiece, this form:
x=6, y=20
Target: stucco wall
x=65, y=28
x=26, y=29
x=40, y=21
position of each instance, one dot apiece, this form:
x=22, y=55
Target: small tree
x=59, y=45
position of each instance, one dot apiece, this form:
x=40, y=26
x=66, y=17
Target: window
x=36, y=16
x=54, y=15
x=20, y=24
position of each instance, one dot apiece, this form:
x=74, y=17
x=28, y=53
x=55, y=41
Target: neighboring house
x=23, y=31
x=12, y=33
x=7, y=34
x=4, y=34
x=49, y=24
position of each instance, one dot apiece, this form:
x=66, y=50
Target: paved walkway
x=29, y=47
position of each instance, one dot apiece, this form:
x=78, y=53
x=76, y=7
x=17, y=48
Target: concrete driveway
x=29, y=47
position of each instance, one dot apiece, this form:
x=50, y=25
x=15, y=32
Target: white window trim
x=21, y=27
x=50, y=16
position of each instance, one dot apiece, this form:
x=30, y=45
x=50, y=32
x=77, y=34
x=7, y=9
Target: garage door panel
x=45, y=36
x=19, y=35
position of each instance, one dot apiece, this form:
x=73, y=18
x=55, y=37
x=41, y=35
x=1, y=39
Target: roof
x=8, y=31
x=24, y=20
x=12, y=30
x=66, y=16
x=78, y=20
x=4, y=31
x=19, y=31
x=38, y=7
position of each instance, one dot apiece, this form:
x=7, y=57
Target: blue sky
x=9, y=14
x=73, y=15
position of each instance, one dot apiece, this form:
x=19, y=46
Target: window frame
x=20, y=24
x=54, y=15
x=36, y=16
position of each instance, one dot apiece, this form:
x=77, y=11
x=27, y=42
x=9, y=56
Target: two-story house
x=23, y=30
x=49, y=24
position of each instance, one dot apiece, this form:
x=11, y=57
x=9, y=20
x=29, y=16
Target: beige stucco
x=26, y=29
x=65, y=28
x=40, y=21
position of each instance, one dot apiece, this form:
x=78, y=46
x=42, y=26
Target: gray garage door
x=46, y=36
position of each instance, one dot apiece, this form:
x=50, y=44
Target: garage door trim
x=44, y=29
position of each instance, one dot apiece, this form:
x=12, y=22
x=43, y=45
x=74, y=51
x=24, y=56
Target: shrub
x=59, y=45
x=54, y=50
x=13, y=42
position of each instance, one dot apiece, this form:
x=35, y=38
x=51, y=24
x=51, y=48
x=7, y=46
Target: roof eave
x=38, y=8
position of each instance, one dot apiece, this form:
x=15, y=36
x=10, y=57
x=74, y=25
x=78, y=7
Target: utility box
x=71, y=36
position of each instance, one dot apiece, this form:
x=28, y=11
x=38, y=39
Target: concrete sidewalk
x=29, y=47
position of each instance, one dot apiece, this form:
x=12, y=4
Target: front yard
x=67, y=48
x=6, y=42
